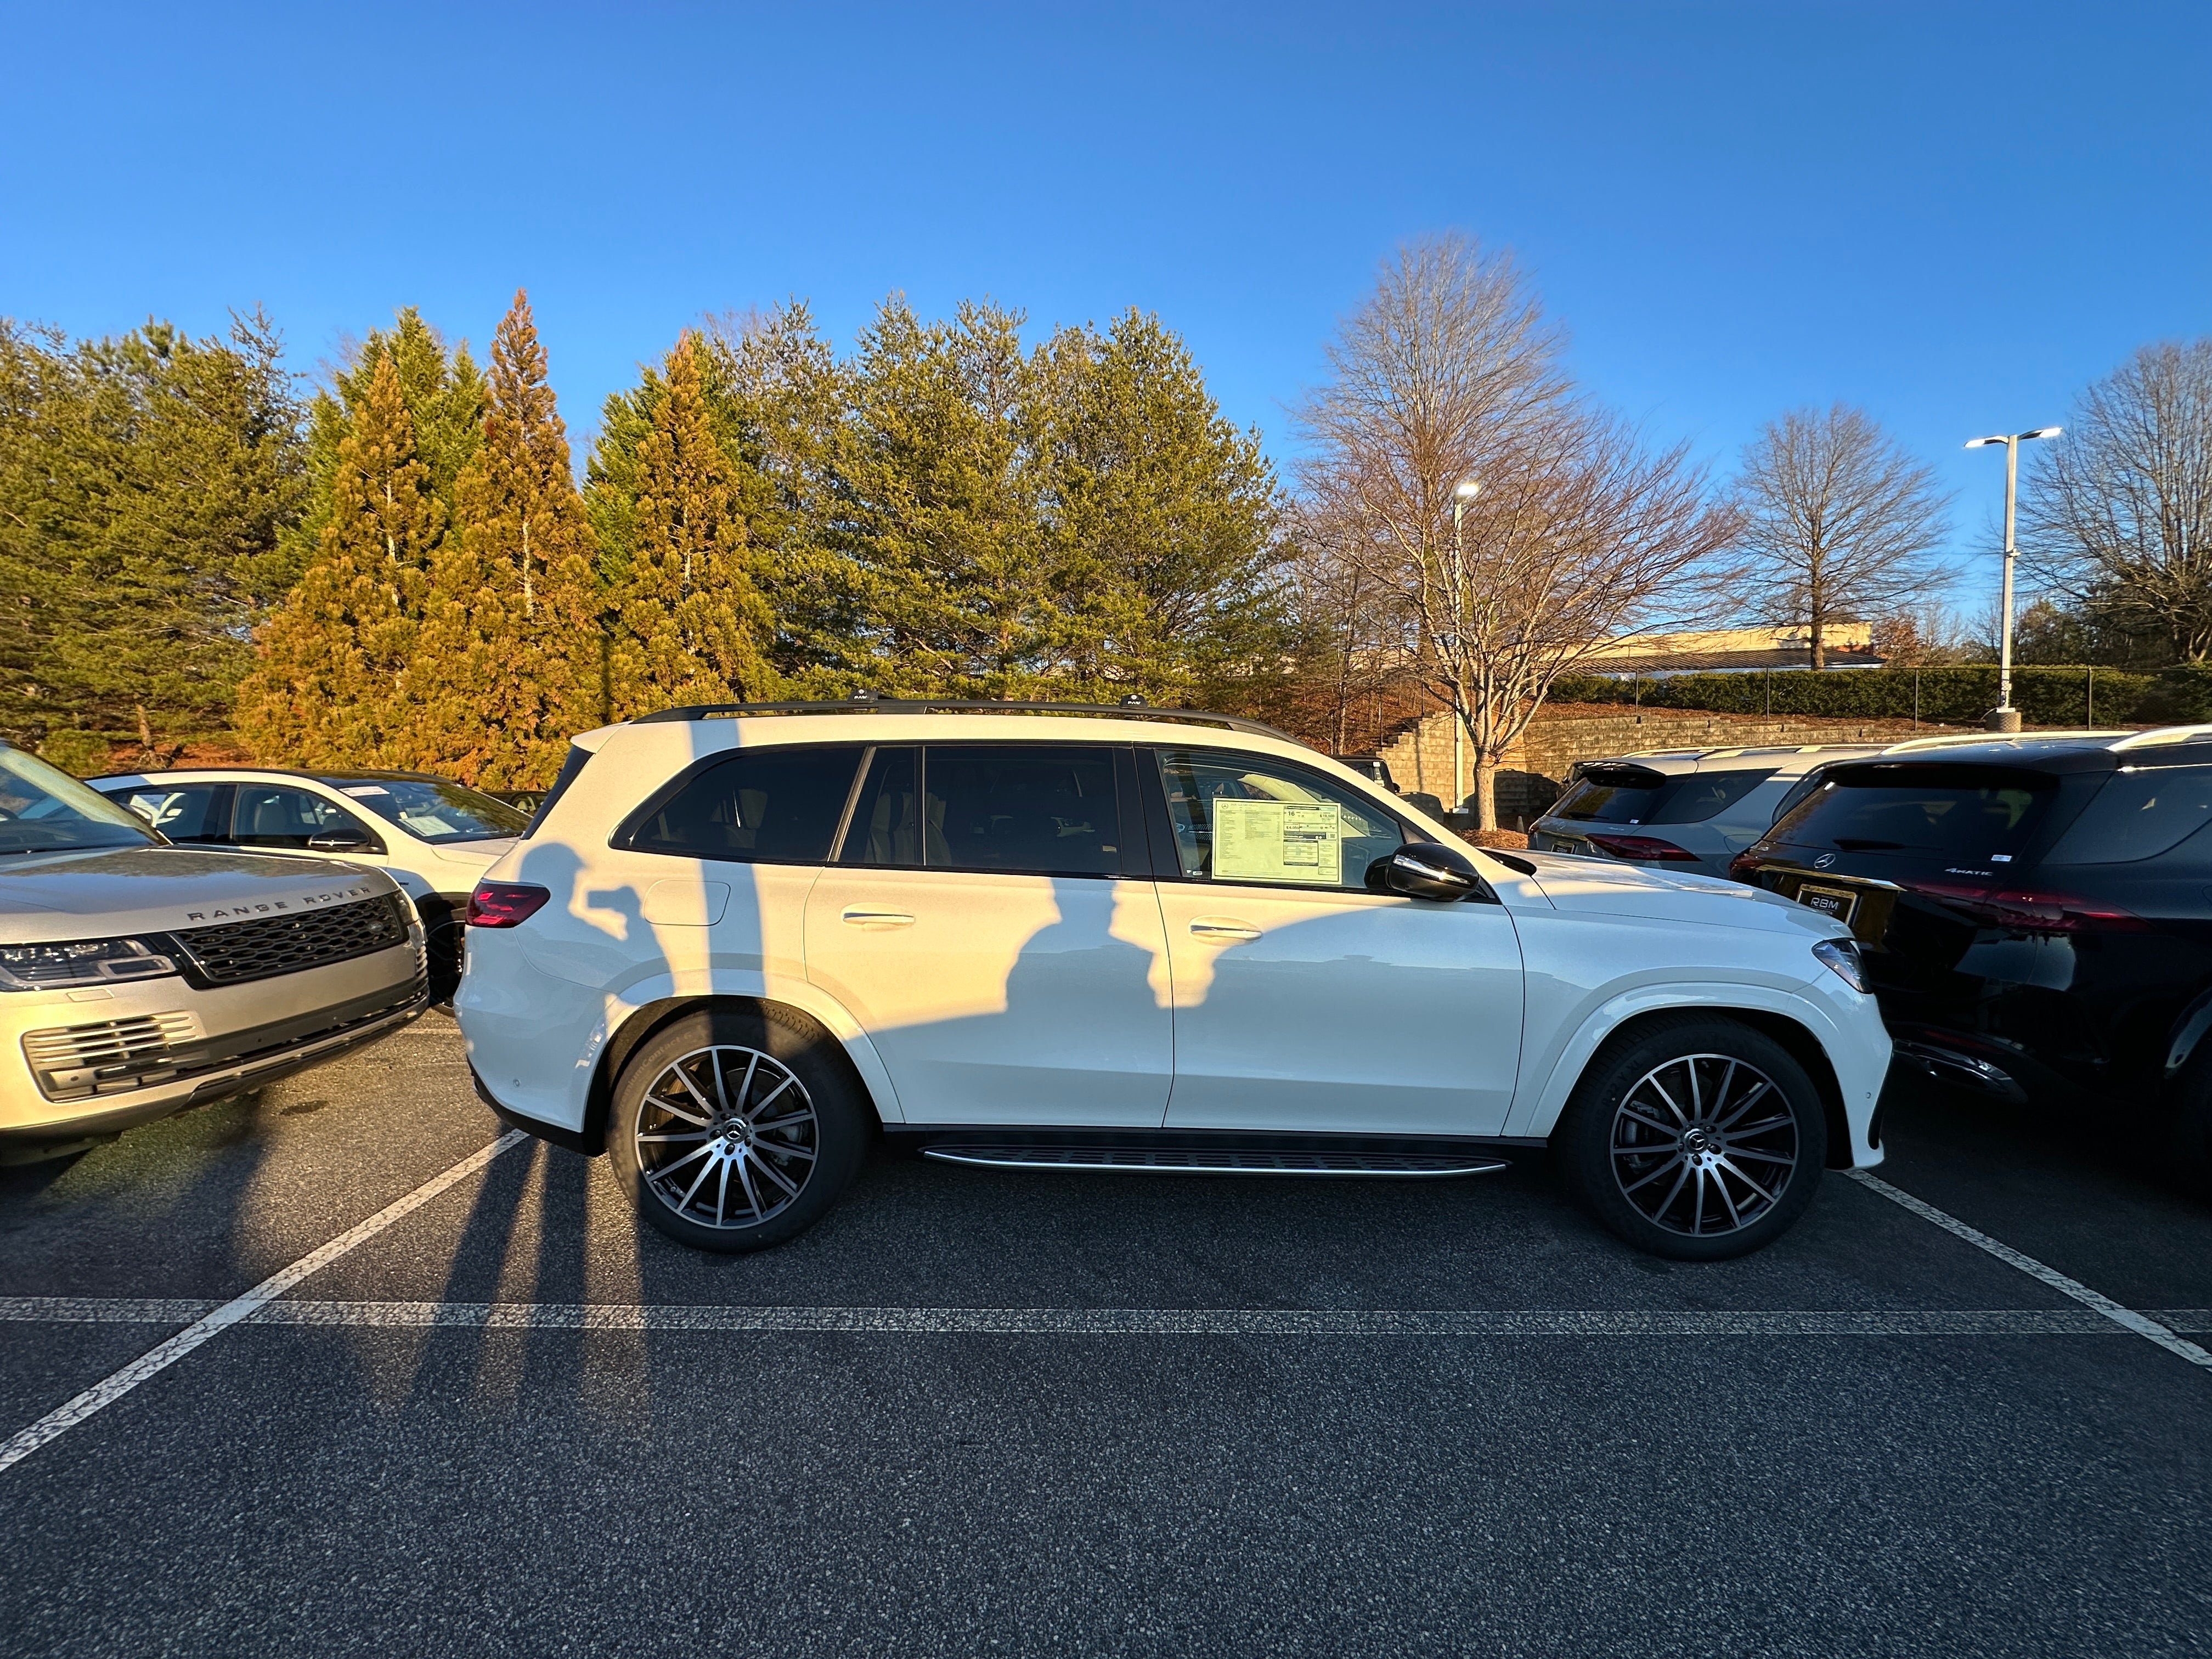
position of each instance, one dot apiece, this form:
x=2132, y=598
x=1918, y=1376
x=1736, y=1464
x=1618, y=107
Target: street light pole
x=2005, y=717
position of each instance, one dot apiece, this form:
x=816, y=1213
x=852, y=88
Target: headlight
x=1842, y=956
x=83, y=962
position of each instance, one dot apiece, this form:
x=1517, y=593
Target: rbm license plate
x=1836, y=902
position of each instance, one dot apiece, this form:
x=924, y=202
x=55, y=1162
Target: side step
x=1196, y=1160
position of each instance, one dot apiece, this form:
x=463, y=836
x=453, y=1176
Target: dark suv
x=2037, y=912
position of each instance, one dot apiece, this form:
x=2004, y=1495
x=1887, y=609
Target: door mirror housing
x=341, y=840
x=1427, y=869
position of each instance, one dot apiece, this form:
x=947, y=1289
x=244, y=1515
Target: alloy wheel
x=726, y=1137
x=1704, y=1145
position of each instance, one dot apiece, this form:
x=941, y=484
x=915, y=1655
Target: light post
x=1463, y=492
x=2005, y=717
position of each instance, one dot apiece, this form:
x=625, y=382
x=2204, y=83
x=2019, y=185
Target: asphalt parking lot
x=985, y=1411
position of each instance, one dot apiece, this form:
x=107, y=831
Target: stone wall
x=1420, y=758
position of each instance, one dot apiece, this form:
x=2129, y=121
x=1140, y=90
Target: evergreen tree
x=330, y=689
x=510, y=665
x=690, y=624
x=144, y=482
x=445, y=394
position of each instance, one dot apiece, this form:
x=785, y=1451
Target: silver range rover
x=137, y=978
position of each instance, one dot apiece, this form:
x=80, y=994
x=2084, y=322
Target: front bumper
x=71, y=1069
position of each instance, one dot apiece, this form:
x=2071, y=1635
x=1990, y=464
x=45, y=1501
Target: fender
x=1544, y=1088
x=621, y=1005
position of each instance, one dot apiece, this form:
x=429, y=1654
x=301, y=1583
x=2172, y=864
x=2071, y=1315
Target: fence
x=1956, y=696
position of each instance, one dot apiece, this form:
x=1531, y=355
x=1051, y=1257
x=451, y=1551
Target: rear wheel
x=1698, y=1139
x=733, y=1131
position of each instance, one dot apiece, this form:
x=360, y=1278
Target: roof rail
x=2159, y=736
x=1953, y=739
x=1127, y=711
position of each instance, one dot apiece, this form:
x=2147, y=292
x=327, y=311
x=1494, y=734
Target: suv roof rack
x=2159, y=736
x=1127, y=711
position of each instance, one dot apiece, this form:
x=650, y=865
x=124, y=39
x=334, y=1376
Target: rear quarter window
x=2140, y=813
x=759, y=806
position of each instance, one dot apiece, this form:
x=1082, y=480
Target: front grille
x=237, y=951
x=110, y=1042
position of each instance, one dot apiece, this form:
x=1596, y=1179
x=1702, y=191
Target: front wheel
x=733, y=1131
x=1698, y=1139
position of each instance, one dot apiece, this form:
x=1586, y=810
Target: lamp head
x=2044, y=432
x=1466, y=489
x=1977, y=443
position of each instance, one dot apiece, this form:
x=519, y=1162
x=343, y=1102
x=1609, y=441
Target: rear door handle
x=1225, y=928
x=859, y=916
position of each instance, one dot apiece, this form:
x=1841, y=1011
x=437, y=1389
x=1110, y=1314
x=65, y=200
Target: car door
x=1303, y=1000
x=991, y=922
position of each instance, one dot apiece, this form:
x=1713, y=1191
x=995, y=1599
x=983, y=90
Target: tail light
x=504, y=903
x=2033, y=910
x=1642, y=849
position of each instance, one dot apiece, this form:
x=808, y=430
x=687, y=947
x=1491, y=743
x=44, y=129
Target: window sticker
x=1275, y=841
x=364, y=789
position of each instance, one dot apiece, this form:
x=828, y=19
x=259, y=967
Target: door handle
x=859, y=916
x=1224, y=928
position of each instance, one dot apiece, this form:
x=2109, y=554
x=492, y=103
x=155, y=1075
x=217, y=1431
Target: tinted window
x=1804, y=786
x=1238, y=817
x=1030, y=808
x=1703, y=795
x=1970, y=813
x=43, y=810
x=270, y=816
x=2139, y=814
x=1617, y=794
x=770, y=806
x=182, y=811
x=886, y=827
x=434, y=809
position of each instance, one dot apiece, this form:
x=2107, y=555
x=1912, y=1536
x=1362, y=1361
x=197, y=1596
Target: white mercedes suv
x=137, y=978
x=738, y=942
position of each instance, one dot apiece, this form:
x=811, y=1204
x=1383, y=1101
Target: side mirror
x=338, y=841
x=1426, y=870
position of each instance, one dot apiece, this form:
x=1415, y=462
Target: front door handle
x=1224, y=928
x=859, y=915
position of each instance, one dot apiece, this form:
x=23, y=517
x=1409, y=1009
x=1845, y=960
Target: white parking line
x=111, y=1388
x=2126, y=1318
x=1113, y=1322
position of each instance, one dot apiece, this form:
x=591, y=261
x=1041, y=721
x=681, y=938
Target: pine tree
x=691, y=625
x=329, y=688
x=510, y=665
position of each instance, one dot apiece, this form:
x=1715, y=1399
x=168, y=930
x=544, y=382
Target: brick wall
x=1421, y=756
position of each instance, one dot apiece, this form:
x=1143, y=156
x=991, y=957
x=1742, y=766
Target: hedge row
x=1954, y=696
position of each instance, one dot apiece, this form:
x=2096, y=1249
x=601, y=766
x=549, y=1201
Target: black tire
x=2189, y=1131
x=1674, y=1177
x=752, y=1172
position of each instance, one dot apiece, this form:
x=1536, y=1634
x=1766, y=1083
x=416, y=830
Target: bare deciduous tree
x=2118, y=514
x=1449, y=375
x=1840, y=522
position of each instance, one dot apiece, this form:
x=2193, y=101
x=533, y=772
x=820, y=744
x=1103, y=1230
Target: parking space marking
x=1112, y=1321
x=2149, y=1329
x=111, y=1388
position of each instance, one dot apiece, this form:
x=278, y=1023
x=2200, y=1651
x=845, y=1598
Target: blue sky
x=1952, y=214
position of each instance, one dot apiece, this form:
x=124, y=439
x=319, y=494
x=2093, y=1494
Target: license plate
x=1837, y=902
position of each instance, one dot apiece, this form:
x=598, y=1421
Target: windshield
x=434, y=809
x=1967, y=813
x=43, y=810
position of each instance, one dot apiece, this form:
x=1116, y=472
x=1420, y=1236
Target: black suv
x=2037, y=912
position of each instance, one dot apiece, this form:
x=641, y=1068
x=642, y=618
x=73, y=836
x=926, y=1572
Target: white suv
x=138, y=978
x=738, y=941
x=431, y=835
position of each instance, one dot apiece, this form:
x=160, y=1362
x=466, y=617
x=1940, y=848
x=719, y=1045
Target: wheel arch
x=650, y=1018
x=1795, y=1035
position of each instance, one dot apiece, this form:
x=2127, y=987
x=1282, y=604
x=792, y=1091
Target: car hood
x=476, y=855
x=152, y=890
x=1607, y=888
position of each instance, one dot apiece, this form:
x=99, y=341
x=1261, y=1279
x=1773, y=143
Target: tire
x=698, y=1157
x=2189, y=1132
x=1668, y=1142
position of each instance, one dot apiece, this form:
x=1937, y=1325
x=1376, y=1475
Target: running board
x=1207, y=1160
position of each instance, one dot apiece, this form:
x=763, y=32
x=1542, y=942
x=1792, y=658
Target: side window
x=1038, y=809
x=1240, y=818
x=886, y=825
x=2138, y=814
x=770, y=806
x=273, y=816
x=183, y=811
x=1707, y=795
